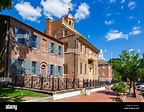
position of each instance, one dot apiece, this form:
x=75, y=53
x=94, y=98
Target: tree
x=130, y=67
x=5, y=4
x=115, y=65
x=119, y=88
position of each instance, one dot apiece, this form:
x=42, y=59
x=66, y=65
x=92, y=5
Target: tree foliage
x=119, y=88
x=129, y=66
x=5, y=4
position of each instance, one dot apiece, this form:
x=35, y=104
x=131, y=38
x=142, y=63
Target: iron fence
x=55, y=83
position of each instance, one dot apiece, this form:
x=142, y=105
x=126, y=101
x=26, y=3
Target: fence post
x=15, y=80
x=87, y=83
x=52, y=83
x=78, y=83
x=90, y=82
x=66, y=82
x=58, y=83
x=73, y=83
x=41, y=82
x=31, y=81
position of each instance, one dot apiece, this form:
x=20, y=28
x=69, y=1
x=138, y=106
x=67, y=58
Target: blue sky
x=111, y=25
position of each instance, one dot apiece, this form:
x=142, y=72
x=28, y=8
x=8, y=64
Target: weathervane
x=69, y=7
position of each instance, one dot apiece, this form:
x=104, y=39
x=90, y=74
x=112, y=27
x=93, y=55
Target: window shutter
x=37, y=68
x=29, y=67
x=56, y=49
x=23, y=66
x=14, y=66
x=49, y=45
x=49, y=69
x=56, y=71
x=61, y=71
x=61, y=51
x=31, y=40
x=16, y=31
x=27, y=38
x=26, y=67
x=53, y=70
x=38, y=42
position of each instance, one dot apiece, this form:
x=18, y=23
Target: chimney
x=48, y=26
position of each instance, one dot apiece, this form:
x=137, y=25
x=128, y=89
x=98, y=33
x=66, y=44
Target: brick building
x=80, y=56
x=104, y=69
x=25, y=50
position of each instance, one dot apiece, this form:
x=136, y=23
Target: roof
x=81, y=37
x=69, y=16
x=102, y=62
x=45, y=35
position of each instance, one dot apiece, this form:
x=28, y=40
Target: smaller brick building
x=25, y=50
x=104, y=69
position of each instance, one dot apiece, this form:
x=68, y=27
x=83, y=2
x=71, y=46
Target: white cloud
x=135, y=31
x=132, y=5
x=109, y=22
x=132, y=17
x=122, y=1
x=138, y=50
x=82, y=12
x=122, y=7
x=131, y=50
x=109, y=14
x=56, y=8
x=112, y=1
x=115, y=34
x=27, y=11
x=105, y=50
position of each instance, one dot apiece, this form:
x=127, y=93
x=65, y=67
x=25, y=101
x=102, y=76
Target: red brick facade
x=105, y=71
x=80, y=56
x=39, y=57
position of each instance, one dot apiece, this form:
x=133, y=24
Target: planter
x=116, y=99
x=122, y=96
x=88, y=92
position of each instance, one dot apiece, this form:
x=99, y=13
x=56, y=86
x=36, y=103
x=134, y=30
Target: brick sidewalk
x=100, y=96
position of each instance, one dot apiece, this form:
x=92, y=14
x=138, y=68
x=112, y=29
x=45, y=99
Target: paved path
x=100, y=96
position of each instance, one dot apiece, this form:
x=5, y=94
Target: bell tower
x=101, y=54
x=69, y=19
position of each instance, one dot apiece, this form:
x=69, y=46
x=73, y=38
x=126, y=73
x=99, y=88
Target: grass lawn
x=18, y=95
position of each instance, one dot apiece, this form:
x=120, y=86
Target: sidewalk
x=100, y=96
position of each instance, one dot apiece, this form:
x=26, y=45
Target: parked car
x=139, y=86
x=142, y=90
x=137, y=83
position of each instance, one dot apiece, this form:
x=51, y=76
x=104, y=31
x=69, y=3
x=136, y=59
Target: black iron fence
x=55, y=83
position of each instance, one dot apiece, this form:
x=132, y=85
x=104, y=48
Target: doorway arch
x=43, y=69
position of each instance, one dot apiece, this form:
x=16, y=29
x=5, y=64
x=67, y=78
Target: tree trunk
x=130, y=87
x=134, y=92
